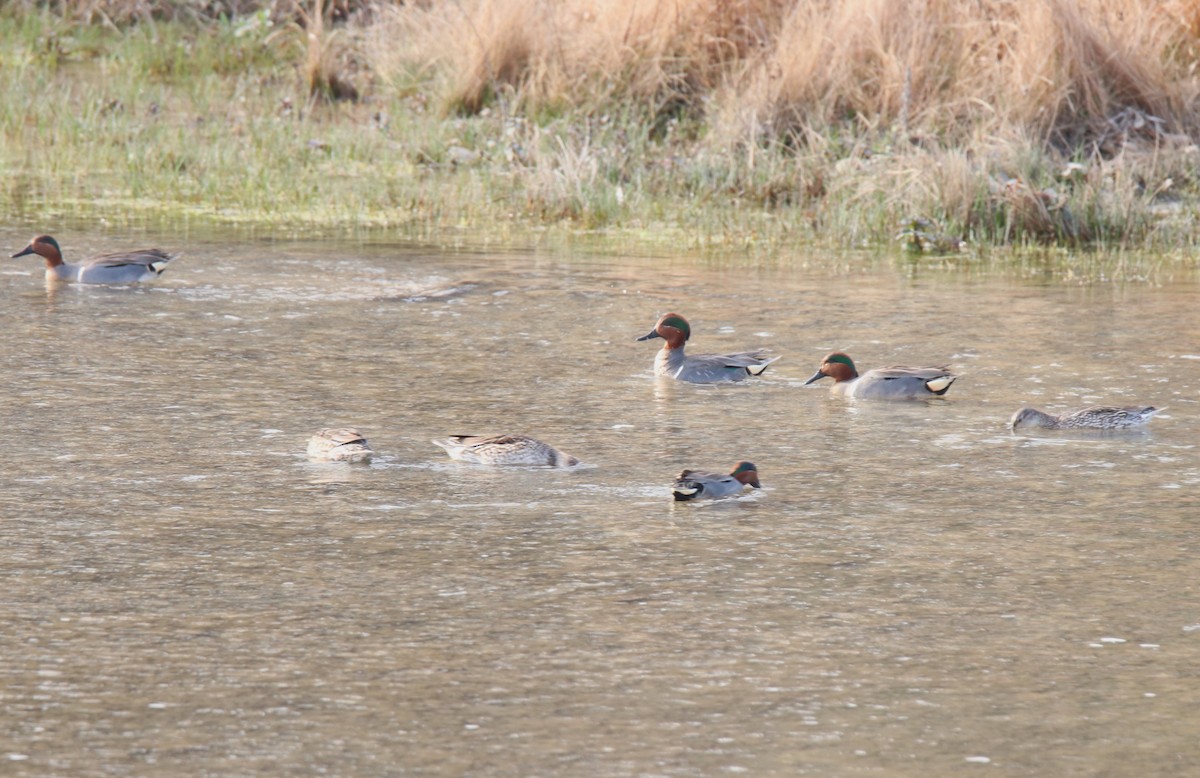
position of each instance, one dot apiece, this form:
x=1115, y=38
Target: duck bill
x=27, y=250
x=817, y=376
x=756, y=484
x=649, y=335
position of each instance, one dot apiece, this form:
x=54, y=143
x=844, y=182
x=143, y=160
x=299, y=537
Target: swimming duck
x=122, y=267
x=339, y=444
x=701, y=368
x=697, y=484
x=892, y=383
x=1095, y=417
x=505, y=450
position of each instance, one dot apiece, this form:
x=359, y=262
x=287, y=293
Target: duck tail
x=159, y=265
x=761, y=368
x=941, y=385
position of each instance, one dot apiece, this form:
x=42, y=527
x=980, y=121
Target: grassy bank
x=732, y=125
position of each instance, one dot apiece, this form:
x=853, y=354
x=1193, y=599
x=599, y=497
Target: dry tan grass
x=776, y=69
x=787, y=70
x=1055, y=68
x=327, y=53
x=967, y=111
x=1011, y=120
x=542, y=53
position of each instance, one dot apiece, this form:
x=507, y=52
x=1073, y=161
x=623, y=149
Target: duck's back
x=711, y=368
x=698, y=484
x=1107, y=417
x=505, y=450
x=122, y=267
x=334, y=444
x=897, y=382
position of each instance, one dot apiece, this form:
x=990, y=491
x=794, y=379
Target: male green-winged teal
x=505, y=450
x=699, y=485
x=888, y=383
x=700, y=368
x=1095, y=417
x=122, y=267
x=339, y=444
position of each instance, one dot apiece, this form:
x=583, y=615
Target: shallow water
x=915, y=591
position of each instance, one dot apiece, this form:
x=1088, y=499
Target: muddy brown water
x=915, y=590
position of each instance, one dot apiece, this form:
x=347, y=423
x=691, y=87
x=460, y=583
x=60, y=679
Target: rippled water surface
x=915, y=591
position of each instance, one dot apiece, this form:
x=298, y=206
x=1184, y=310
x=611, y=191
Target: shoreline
x=175, y=122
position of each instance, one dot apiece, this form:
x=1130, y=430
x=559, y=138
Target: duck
x=339, y=444
x=505, y=450
x=701, y=485
x=700, y=368
x=1094, y=417
x=122, y=267
x=889, y=383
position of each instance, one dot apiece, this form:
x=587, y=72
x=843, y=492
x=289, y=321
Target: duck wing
x=141, y=258
x=924, y=373
x=341, y=436
x=693, y=484
x=505, y=450
x=936, y=380
x=738, y=359
x=691, y=476
x=718, y=367
x=335, y=444
x=1109, y=416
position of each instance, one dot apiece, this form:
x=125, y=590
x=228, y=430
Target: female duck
x=889, y=383
x=505, y=450
x=1096, y=417
x=128, y=267
x=698, y=485
x=344, y=444
x=701, y=368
